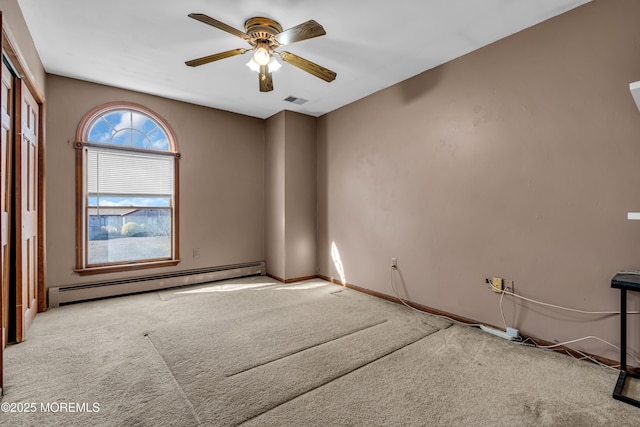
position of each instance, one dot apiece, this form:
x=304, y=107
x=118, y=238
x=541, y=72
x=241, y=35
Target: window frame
x=82, y=142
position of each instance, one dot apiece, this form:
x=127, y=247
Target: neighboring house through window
x=126, y=189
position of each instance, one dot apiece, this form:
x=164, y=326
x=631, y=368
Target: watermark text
x=50, y=407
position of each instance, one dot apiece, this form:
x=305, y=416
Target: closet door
x=26, y=210
x=6, y=108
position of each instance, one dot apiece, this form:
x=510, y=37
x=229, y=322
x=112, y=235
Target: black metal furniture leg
x=624, y=282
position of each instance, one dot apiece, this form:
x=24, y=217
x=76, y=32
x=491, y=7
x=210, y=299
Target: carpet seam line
x=340, y=376
x=364, y=328
x=175, y=381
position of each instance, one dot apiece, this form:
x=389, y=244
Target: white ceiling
x=142, y=45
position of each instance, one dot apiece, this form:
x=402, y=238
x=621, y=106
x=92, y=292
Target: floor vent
x=87, y=291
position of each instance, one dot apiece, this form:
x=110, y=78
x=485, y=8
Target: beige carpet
x=258, y=353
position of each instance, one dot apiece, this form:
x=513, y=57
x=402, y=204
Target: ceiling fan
x=265, y=36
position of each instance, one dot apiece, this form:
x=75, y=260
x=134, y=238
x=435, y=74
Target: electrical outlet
x=497, y=284
x=394, y=263
x=508, y=284
x=196, y=253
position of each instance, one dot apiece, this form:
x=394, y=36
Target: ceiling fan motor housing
x=262, y=30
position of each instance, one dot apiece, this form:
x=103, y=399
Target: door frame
x=6, y=75
x=9, y=51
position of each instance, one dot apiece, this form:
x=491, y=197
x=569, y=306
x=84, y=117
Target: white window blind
x=120, y=173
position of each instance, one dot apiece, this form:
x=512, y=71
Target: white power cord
x=575, y=310
x=569, y=353
x=393, y=286
x=551, y=347
x=524, y=342
x=504, y=321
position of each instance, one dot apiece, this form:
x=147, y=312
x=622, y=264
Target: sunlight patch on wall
x=337, y=261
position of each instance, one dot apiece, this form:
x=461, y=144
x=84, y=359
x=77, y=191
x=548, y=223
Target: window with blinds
x=113, y=173
x=128, y=206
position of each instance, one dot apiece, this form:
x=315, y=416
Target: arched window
x=126, y=190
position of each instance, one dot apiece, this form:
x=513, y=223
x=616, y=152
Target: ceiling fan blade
x=220, y=25
x=215, y=57
x=304, y=31
x=266, y=82
x=308, y=66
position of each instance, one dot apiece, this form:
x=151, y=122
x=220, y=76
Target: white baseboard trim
x=95, y=290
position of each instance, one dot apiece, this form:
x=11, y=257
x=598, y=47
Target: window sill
x=125, y=267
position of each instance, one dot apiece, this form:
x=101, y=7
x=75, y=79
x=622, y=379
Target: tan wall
x=14, y=20
x=301, y=205
x=221, y=179
x=290, y=195
x=519, y=160
x=274, y=209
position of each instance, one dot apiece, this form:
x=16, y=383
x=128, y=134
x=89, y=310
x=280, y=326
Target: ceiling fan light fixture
x=253, y=65
x=262, y=55
x=274, y=65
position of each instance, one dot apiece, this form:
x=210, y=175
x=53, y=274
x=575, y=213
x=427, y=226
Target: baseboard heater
x=132, y=285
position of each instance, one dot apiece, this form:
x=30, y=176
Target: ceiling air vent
x=295, y=100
